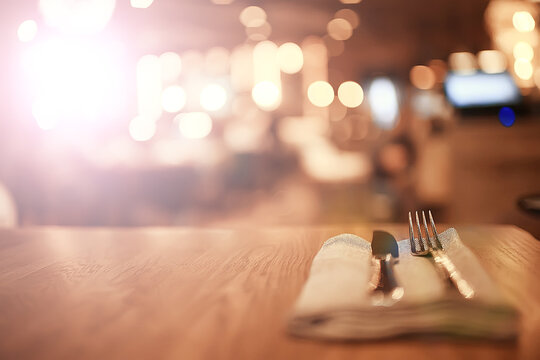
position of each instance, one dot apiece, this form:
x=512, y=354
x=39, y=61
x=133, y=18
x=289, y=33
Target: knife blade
x=385, y=253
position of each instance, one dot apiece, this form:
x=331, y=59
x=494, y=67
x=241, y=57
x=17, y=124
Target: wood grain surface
x=180, y=293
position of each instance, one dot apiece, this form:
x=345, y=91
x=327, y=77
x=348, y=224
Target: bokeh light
x=507, y=117
x=523, y=21
x=383, y=100
x=79, y=82
x=142, y=129
x=350, y=94
x=213, y=97
x=253, y=16
x=141, y=4
x=492, y=61
x=350, y=1
x=320, y=93
x=523, y=50
x=266, y=95
x=171, y=66
x=84, y=17
x=422, y=77
x=324, y=162
x=149, y=86
x=27, y=30
x=290, y=58
x=173, y=98
x=259, y=33
x=523, y=69
x=242, y=68
x=194, y=125
x=349, y=15
x=266, y=75
x=339, y=29
x=462, y=62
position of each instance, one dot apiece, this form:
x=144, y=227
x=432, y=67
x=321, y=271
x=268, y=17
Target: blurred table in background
x=185, y=293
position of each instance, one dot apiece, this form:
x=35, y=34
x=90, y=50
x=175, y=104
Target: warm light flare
x=267, y=77
x=75, y=82
x=259, y=33
x=350, y=94
x=523, y=50
x=142, y=129
x=213, y=97
x=463, y=62
x=266, y=95
x=492, y=61
x=349, y=15
x=523, y=69
x=81, y=17
x=171, y=66
x=290, y=58
x=422, y=77
x=173, y=98
x=253, y=16
x=194, y=125
x=141, y=4
x=242, y=68
x=523, y=21
x=320, y=93
x=27, y=30
x=339, y=29
x=149, y=86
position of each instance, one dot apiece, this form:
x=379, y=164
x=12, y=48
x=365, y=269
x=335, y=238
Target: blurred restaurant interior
x=258, y=112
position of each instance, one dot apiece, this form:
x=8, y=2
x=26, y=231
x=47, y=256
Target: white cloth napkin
x=336, y=302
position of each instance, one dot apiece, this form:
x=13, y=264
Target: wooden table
x=181, y=293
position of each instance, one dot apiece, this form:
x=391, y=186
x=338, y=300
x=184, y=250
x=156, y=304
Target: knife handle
x=386, y=290
x=387, y=280
x=451, y=272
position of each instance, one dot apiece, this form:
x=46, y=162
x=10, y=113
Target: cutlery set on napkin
x=357, y=290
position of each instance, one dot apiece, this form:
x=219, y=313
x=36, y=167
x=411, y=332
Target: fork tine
x=411, y=234
x=436, y=235
x=423, y=246
x=429, y=238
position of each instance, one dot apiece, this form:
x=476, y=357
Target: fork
x=432, y=245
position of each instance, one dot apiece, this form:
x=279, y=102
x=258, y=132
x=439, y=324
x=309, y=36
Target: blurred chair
x=8, y=210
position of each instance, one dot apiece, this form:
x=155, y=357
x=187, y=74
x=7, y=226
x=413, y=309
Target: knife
x=385, y=253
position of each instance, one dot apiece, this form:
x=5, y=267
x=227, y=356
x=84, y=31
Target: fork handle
x=451, y=272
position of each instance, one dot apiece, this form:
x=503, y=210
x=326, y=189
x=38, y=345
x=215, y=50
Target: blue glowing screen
x=481, y=89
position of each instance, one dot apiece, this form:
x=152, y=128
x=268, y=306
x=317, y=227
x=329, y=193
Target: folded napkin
x=337, y=303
